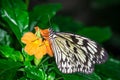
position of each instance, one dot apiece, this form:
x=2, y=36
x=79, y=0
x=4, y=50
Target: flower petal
x=28, y=37
x=49, y=49
x=35, y=45
x=40, y=51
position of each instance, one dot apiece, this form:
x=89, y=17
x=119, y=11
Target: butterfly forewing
x=74, y=53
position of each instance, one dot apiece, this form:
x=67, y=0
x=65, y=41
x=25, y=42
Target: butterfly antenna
x=49, y=21
x=50, y=28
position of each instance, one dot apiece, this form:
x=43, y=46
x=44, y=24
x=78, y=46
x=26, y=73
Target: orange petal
x=45, y=33
x=40, y=52
x=36, y=28
x=30, y=48
x=28, y=37
x=36, y=46
x=49, y=49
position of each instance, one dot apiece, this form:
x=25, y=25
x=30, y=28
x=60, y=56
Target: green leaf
x=28, y=58
x=23, y=78
x=37, y=61
x=8, y=69
x=67, y=24
x=96, y=33
x=109, y=70
x=15, y=15
x=92, y=76
x=9, y=52
x=51, y=76
x=80, y=76
x=35, y=73
x=41, y=14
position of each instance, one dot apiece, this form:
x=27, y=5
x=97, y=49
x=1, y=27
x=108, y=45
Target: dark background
x=93, y=13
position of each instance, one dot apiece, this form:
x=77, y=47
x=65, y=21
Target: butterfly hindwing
x=74, y=53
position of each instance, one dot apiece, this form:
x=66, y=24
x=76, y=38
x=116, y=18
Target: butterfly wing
x=74, y=53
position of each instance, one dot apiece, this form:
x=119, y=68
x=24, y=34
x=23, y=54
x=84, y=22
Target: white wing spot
x=92, y=47
x=90, y=50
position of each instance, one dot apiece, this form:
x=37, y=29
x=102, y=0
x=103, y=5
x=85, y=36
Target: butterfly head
x=51, y=30
x=51, y=33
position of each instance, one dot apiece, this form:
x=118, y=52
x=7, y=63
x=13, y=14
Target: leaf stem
x=43, y=61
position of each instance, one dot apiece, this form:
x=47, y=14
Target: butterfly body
x=74, y=53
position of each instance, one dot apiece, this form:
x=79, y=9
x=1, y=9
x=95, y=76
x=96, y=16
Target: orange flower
x=36, y=45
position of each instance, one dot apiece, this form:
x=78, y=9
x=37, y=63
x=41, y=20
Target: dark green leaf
x=104, y=3
x=41, y=14
x=15, y=15
x=96, y=33
x=67, y=24
x=55, y=27
x=23, y=78
x=35, y=73
x=8, y=69
x=11, y=53
x=92, y=76
x=109, y=70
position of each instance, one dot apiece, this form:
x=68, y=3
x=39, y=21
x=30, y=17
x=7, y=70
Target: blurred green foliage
x=98, y=4
x=16, y=64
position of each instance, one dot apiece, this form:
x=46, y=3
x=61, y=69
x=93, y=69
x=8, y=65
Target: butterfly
x=74, y=53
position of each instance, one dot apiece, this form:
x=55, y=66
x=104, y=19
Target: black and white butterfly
x=74, y=53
